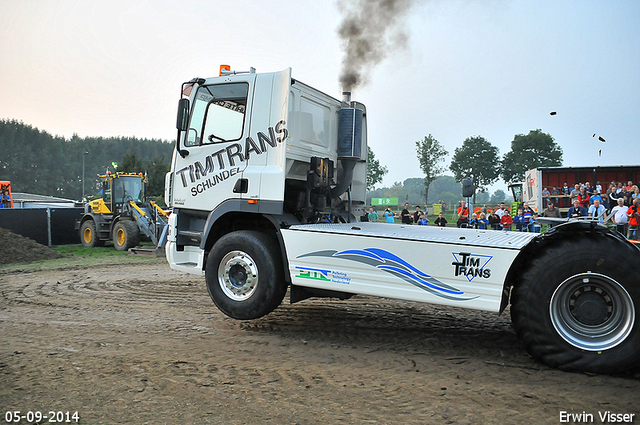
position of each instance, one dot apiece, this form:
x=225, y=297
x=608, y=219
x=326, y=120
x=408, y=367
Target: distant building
x=29, y=200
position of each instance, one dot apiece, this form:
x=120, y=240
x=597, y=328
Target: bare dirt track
x=139, y=343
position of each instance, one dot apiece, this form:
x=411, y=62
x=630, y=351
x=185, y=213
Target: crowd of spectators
x=620, y=203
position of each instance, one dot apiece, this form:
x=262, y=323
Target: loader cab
x=517, y=191
x=122, y=188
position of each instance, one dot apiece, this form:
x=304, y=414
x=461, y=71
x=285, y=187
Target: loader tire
x=577, y=305
x=89, y=236
x=125, y=235
x=244, y=275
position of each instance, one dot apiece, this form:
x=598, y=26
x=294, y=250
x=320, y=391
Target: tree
x=131, y=163
x=156, y=169
x=430, y=154
x=443, y=184
x=39, y=163
x=375, y=171
x=482, y=197
x=478, y=160
x=536, y=149
x=498, y=196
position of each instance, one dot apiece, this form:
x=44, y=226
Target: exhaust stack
x=346, y=98
x=350, y=121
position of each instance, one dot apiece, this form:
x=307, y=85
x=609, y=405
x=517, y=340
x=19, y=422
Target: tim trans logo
x=471, y=266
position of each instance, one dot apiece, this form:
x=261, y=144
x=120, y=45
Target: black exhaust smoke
x=369, y=30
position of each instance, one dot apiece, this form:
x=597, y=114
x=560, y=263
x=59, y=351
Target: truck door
x=215, y=158
x=265, y=147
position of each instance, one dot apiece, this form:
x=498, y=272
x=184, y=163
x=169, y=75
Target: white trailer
x=267, y=178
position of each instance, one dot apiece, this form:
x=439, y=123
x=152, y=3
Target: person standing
x=597, y=210
x=596, y=195
x=405, y=215
x=583, y=197
x=575, y=192
x=527, y=212
x=588, y=188
x=483, y=222
x=633, y=213
x=473, y=223
x=494, y=220
x=417, y=214
x=389, y=216
x=619, y=217
x=506, y=221
x=441, y=221
x=551, y=211
x=373, y=215
x=5, y=199
x=566, y=191
x=519, y=221
x=500, y=211
x=577, y=210
x=463, y=214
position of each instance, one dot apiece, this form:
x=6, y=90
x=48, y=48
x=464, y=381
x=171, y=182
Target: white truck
x=266, y=182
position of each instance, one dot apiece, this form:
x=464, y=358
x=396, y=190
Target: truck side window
x=218, y=114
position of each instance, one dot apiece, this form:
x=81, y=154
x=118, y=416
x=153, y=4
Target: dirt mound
x=18, y=249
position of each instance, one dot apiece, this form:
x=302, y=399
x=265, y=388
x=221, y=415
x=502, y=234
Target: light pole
x=84, y=153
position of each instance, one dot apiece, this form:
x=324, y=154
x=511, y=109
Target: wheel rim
x=120, y=236
x=592, y=312
x=238, y=275
x=88, y=235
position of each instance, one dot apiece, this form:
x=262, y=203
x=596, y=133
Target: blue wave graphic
x=420, y=281
x=399, y=267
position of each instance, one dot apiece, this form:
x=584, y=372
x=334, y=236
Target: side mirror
x=183, y=115
x=467, y=188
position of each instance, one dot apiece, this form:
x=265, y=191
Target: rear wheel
x=577, y=306
x=89, y=236
x=125, y=235
x=244, y=275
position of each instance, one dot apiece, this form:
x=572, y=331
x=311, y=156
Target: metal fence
x=47, y=226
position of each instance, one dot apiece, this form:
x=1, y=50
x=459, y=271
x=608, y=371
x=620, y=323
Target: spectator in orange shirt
x=463, y=214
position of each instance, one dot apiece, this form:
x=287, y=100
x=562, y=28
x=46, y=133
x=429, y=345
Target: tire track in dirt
x=142, y=343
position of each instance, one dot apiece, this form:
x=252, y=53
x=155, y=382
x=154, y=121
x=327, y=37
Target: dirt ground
x=139, y=343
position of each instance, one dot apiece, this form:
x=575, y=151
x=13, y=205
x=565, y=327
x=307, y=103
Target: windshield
x=517, y=193
x=128, y=189
x=218, y=114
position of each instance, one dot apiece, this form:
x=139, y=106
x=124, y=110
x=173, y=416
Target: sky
x=490, y=68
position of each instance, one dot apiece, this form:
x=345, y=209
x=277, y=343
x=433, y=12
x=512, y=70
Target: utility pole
x=84, y=153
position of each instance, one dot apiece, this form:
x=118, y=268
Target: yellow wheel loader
x=123, y=215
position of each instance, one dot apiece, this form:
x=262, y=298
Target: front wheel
x=89, y=236
x=125, y=235
x=577, y=306
x=244, y=275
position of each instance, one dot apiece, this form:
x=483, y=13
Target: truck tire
x=577, y=305
x=125, y=235
x=89, y=236
x=244, y=275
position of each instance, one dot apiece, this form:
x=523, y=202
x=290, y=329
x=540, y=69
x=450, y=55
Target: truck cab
x=260, y=150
